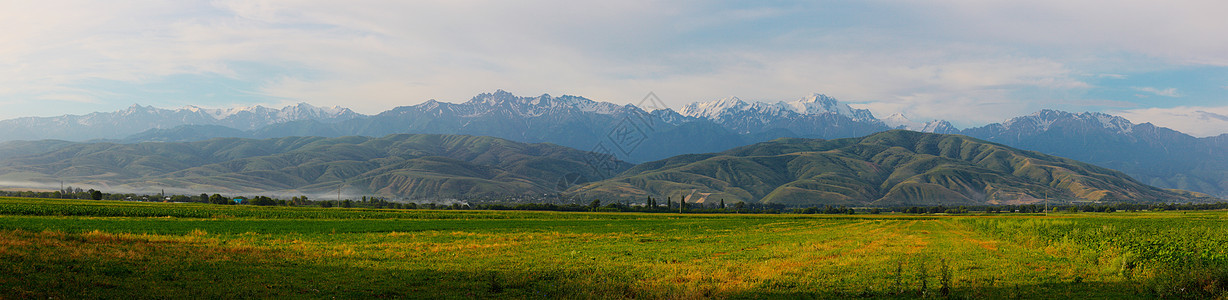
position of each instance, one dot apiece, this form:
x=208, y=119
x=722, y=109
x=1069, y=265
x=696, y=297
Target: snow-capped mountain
x=504, y=102
x=1044, y=120
x=138, y=118
x=899, y=121
x=815, y=104
x=821, y=104
x=939, y=126
x=266, y=116
x=626, y=131
x=816, y=115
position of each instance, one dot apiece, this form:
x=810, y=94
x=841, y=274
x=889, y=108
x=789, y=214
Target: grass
x=103, y=249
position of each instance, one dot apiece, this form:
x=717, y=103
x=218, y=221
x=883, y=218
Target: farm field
x=94, y=249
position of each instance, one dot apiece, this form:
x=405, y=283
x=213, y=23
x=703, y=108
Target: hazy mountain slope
x=186, y=133
x=889, y=168
x=23, y=148
x=415, y=166
x=137, y=119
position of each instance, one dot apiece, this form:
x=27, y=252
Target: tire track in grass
x=997, y=264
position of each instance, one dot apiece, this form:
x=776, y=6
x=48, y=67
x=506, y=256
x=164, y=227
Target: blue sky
x=971, y=62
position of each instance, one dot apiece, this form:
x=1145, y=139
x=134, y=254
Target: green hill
x=891, y=168
x=405, y=165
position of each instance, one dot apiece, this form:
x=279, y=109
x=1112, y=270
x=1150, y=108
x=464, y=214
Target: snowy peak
x=939, y=126
x=289, y=113
x=505, y=102
x=1046, y=119
x=714, y=109
x=815, y=104
x=899, y=121
x=816, y=115
x=820, y=104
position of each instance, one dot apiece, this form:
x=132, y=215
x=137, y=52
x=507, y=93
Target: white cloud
x=1195, y=121
x=955, y=60
x=78, y=98
x=1183, y=32
x=1168, y=92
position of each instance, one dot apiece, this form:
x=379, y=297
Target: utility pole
x=681, y=202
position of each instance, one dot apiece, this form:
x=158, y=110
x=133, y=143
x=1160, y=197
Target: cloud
x=1195, y=121
x=1168, y=92
x=1176, y=32
x=959, y=60
x=78, y=98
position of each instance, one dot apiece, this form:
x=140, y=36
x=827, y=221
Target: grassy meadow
x=108, y=249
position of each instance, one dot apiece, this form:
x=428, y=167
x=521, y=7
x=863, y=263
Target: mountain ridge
x=136, y=119
x=890, y=168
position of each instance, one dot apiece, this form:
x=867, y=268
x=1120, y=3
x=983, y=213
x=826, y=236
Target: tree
x=96, y=195
x=722, y=203
x=263, y=201
x=347, y=203
x=218, y=199
x=595, y=204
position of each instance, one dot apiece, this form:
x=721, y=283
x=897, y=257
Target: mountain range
x=1153, y=155
x=893, y=168
x=137, y=118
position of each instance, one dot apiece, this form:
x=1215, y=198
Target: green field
x=93, y=249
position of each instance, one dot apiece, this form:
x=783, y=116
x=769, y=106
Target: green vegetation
x=893, y=168
x=110, y=249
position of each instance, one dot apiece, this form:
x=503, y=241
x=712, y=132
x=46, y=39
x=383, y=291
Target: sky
x=970, y=62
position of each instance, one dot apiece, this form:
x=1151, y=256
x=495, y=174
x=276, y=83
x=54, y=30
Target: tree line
x=649, y=205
